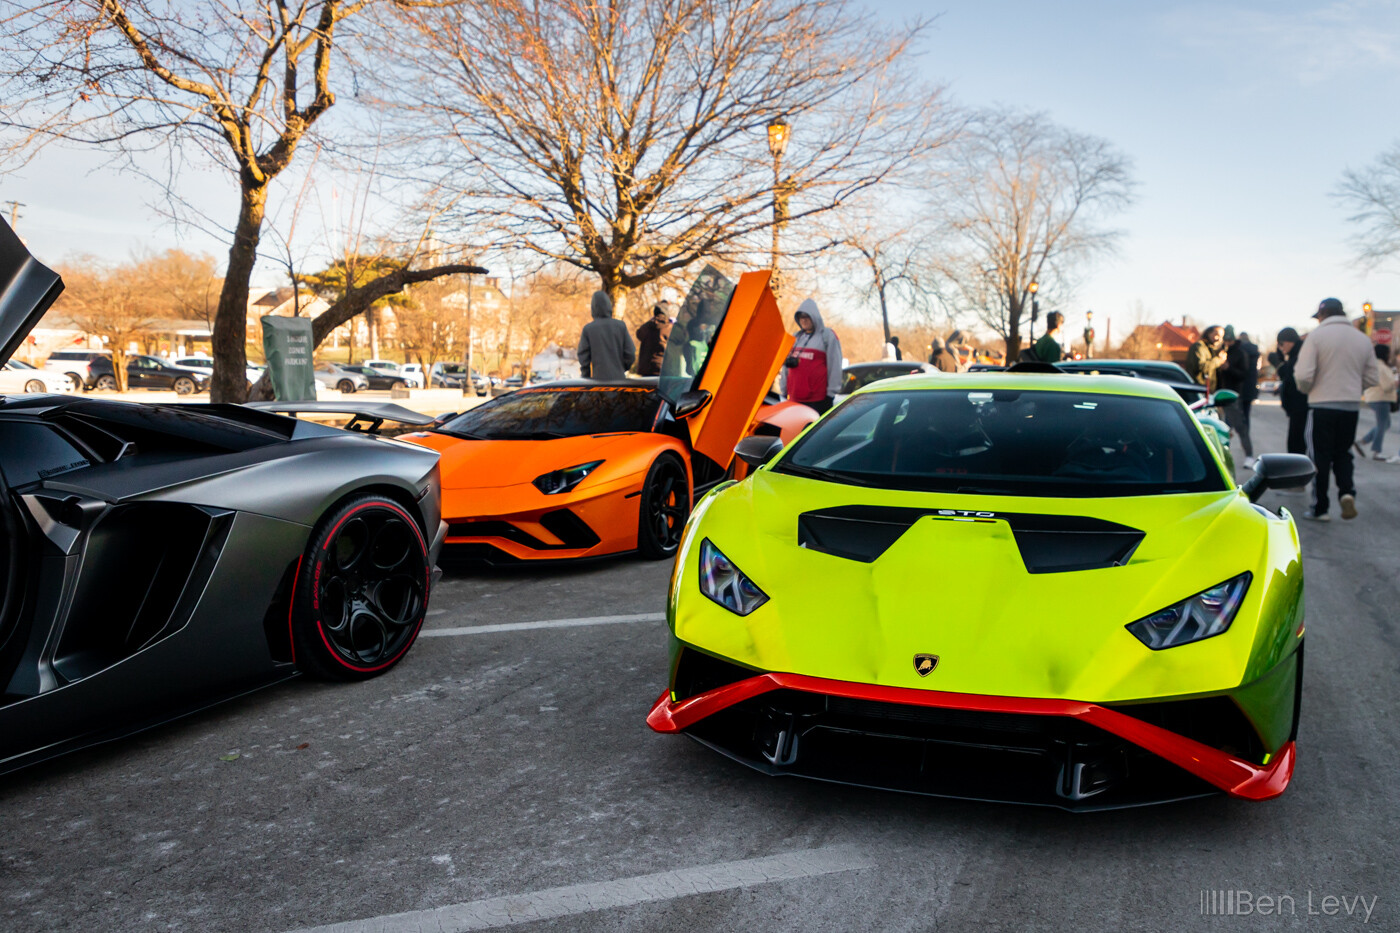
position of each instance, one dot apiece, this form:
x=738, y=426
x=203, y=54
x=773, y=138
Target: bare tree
x=1372, y=194
x=893, y=259
x=1021, y=200
x=432, y=325
x=237, y=83
x=628, y=139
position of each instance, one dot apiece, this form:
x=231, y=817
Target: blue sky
x=1240, y=118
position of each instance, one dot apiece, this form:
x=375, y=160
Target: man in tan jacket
x=1334, y=367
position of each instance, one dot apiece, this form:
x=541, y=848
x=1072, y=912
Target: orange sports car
x=582, y=468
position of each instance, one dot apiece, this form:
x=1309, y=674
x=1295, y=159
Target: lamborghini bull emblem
x=925, y=663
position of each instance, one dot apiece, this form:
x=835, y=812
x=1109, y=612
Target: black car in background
x=1157, y=370
x=147, y=372
x=379, y=379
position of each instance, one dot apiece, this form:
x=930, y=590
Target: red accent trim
x=1235, y=776
x=291, y=608
x=384, y=503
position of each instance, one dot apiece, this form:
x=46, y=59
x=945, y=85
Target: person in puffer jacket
x=812, y=373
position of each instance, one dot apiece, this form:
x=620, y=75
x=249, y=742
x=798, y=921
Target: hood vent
x=1048, y=543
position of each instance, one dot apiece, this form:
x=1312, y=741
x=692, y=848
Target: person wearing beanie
x=1295, y=403
x=605, y=349
x=942, y=357
x=1335, y=366
x=651, y=340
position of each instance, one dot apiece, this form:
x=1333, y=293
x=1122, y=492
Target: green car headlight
x=553, y=483
x=1208, y=613
x=726, y=584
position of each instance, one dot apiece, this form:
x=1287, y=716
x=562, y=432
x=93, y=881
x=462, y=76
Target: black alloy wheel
x=107, y=382
x=184, y=385
x=345, y=386
x=34, y=385
x=665, y=505
x=362, y=592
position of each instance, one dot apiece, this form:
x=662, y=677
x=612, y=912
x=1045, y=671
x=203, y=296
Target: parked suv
x=76, y=363
x=341, y=378
x=148, y=372
x=409, y=377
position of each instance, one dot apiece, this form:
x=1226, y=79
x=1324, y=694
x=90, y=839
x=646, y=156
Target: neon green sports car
x=1024, y=587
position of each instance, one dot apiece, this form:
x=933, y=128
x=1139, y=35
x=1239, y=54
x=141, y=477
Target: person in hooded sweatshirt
x=605, y=349
x=812, y=373
x=1295, y=403
x=942, y=357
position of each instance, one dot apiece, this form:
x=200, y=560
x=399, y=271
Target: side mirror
x=690, y=403
x=758, y=449
x=1278, y=471
x=1225, y=397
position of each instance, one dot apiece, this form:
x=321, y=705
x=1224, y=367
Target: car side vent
x=1048, y=543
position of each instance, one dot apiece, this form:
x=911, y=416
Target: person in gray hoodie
x=812, y=372
x=605, y=349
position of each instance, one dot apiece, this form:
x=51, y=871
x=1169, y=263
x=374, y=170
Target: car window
x=693, y=334
x=859, y=378
x=545, y=413
x=1009, y=442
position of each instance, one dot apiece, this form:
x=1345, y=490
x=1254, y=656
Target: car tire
x=664, y=506
x=76, y=381
x=184, y=386
x=361, y=591
x=35, y=386
x=345, y=387
x=106, y=383
x=398, y=384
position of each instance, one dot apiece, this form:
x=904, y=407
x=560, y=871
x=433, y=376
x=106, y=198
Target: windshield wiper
x=829, y=476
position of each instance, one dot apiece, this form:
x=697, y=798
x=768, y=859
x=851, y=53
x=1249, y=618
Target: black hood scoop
x=1048, y=543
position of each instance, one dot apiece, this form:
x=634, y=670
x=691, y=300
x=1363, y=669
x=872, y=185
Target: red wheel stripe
x=320, y=631
x=1235, y=776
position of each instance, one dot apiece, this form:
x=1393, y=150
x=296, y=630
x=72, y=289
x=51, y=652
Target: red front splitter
x=1235, y=776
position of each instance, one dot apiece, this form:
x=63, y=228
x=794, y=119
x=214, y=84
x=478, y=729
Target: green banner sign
x=287, y=344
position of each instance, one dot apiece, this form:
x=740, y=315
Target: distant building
x=1164, y=341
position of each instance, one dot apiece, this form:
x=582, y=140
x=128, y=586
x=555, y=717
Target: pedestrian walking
x=1335, y=366
x=1240, y=374
x=1206, y=356
x=605, y=349
x=898, y=354
x=1380, y=398
x=651, y=340
x=1295, y=403
x=812, y=372
x=1047, y=348
x=942, y=357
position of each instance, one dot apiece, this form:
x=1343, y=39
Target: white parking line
x=606, y=895
x=551, y=623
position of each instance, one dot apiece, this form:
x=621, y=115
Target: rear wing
x=366, y=417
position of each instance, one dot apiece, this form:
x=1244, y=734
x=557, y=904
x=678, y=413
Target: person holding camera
x=812, y=372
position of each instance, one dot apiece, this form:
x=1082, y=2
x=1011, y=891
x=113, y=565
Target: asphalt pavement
x=503, y=775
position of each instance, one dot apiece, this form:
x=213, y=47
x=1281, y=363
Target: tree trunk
x=372, y=322
x=230, y=382
x=119, y=364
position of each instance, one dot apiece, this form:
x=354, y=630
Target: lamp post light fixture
x=1088, y=335
x=778, y=135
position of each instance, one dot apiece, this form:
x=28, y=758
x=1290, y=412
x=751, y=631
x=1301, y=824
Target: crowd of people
x=1325, y=380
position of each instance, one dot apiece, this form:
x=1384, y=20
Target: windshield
x=693, y=334
x=1008, y=442
x=535, y=414
x=858, y=377
x=17, y=364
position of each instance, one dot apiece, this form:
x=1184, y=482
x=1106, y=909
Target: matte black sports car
x=158, y=558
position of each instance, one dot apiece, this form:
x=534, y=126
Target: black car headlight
x=726, y=584
x=557, y=481
x=1208, y=613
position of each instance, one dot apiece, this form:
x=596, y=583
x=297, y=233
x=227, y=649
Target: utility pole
x=14, y=211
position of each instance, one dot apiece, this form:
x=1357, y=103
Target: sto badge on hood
x=925, y=663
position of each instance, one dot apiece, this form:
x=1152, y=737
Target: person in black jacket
x=1240, y=374
x=1295, y=403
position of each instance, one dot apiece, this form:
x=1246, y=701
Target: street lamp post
x=1035, y=310
x=778, y=134
x=1088, y=335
